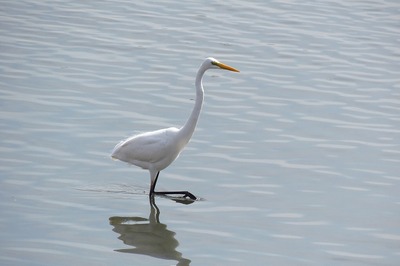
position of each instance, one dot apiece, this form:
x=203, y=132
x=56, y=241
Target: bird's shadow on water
x=148, y=236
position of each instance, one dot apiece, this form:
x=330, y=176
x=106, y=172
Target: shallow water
x=296, y=157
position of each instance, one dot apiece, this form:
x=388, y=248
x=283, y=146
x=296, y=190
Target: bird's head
x=212, y=63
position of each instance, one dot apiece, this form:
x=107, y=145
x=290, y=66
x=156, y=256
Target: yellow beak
x=223, y=66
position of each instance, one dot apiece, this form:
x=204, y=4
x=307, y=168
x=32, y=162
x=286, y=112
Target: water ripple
x=303, y=138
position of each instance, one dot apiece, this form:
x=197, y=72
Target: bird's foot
x=190, y=195
x=186, y=194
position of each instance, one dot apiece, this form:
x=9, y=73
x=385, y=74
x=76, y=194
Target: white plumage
x=156, y=150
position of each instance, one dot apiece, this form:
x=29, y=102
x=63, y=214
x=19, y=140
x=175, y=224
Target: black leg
x=185, y=193
x=153, y=186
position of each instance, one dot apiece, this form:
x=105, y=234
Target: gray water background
x=296, y=157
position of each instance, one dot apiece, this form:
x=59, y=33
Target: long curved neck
x=187, y=130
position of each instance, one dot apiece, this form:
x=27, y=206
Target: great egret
x=156, y=150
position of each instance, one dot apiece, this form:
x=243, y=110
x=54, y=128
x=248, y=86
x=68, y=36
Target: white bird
x=156, y=150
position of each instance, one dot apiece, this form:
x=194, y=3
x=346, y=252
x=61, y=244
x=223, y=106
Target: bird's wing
x=148, y=147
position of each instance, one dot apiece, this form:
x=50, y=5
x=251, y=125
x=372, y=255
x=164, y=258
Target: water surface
x=296, y=157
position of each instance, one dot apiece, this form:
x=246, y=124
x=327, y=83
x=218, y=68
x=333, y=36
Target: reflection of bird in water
x=148, y=236
x=157, y=149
